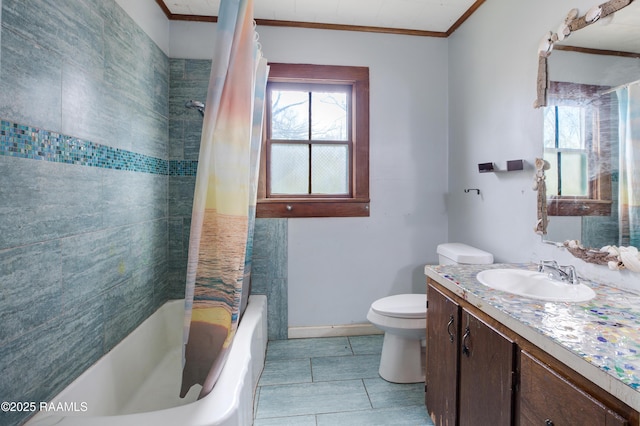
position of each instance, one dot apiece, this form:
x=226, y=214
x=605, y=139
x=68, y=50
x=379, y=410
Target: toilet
x=402, y=317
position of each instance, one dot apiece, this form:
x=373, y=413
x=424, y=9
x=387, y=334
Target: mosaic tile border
x=21, y=141
x=183, y=167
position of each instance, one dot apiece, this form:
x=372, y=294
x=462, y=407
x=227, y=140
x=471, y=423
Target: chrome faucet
x=556, y=272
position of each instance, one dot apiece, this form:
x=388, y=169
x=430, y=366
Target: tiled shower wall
x=83, y=189
x=97, y=168
x=189, y=79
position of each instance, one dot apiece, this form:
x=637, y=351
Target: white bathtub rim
x=218, y=408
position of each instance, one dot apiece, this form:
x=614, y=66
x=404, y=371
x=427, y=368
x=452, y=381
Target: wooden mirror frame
x=573, y=22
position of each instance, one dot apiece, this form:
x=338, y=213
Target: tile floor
x=333, y=381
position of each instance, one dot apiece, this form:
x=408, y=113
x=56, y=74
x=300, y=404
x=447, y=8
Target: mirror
x=589, y=74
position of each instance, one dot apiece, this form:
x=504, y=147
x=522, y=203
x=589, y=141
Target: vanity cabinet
x=487, y=371
x=443, y=330
x=470, y=367
x=479, y=372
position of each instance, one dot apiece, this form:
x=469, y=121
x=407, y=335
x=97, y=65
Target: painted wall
x=83, y=189
x=492, y=86
x=337, y=267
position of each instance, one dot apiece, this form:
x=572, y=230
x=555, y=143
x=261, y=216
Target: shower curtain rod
x=613, y=89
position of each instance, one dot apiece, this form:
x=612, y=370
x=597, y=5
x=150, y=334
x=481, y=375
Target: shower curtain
x=220, y=243
x=629, y=101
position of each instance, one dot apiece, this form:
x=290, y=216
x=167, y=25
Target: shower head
x=195, y=104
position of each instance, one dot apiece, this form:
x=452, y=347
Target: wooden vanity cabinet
x=470, y=367
x=546, y=398
x=443, y=330
x=487, y=371
x=479, y=372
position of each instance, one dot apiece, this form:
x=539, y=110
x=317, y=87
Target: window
x=315, y=153
x=566, y=131
x=579, y=133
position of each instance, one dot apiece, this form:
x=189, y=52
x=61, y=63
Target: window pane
x=329, y=169
x=549, y=127
x=329, y=116
x=571, y=125
x=569, y=178
x=574, y=173
x=289, y=168
x=552, y=174
x=289, y=115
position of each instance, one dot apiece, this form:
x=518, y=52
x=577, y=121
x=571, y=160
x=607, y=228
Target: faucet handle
x=571, y=273
x=543, y=263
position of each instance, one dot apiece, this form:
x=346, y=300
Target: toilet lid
x=402, y=306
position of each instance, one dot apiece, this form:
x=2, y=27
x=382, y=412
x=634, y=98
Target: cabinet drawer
x=548, y=399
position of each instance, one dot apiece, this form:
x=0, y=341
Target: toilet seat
x=402, y=306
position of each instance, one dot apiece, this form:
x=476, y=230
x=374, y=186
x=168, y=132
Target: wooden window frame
x=598, y=202
x=354, y=204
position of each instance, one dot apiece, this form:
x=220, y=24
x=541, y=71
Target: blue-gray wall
x=83, y=189
x=97, y=169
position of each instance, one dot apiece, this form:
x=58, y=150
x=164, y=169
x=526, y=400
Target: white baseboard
x=333, y=331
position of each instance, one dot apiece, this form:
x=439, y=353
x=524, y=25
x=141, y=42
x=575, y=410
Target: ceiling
x=436, y=18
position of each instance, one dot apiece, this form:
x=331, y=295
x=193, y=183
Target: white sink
x=535, y=285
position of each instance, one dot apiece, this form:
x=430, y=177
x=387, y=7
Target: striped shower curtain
x=223, y=213
x=629, y=101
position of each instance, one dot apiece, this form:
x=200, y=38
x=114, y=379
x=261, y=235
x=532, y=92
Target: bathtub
x=137, y=383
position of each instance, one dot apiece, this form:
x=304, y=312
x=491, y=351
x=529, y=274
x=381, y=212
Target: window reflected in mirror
x=565, y=149
x=579, y=139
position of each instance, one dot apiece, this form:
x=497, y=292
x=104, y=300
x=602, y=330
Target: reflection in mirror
x=591, y=99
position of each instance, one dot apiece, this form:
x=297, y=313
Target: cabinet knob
x=548, y=423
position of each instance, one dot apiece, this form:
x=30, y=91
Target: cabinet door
x=548, y=399
x=486, y=374
x=443, y=319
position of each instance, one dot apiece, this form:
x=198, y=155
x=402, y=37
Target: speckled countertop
x=599, y=339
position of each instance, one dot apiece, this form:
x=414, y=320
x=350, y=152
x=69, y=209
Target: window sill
x=270, y=208
x=578, y=207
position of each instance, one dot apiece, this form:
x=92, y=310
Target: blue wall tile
x=127, y=305
x=72, y=29
x=31, y=288
x=43, y=200
x=269, y=272
x=43, y=361
x=84, y=177
x=31, y=81
x=94, y=262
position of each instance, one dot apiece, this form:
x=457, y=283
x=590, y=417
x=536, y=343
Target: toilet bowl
x=403, y=319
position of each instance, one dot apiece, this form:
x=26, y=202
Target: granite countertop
x=599, y=339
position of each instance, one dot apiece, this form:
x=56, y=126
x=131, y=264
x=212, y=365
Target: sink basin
x=535, y=285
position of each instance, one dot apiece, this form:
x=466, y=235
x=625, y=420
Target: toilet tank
x=458, y=253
